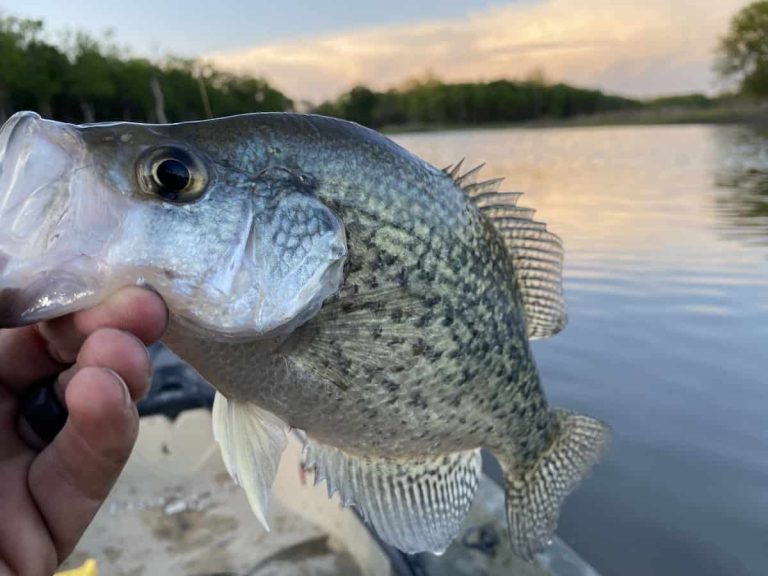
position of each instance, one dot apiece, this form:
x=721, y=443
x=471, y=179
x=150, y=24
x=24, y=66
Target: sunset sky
x=315, y=50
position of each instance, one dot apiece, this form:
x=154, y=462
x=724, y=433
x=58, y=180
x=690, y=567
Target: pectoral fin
x=416, y=505
x=252, y=441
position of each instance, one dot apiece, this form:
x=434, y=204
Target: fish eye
x=172, y=173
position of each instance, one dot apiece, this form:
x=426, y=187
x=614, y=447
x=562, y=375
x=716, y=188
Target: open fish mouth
x=44, y=254
x=86, y=210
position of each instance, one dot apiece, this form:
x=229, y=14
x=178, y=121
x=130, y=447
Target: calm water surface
x=666, y=234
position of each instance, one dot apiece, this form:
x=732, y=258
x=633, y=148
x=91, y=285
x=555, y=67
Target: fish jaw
x=50, y=227
x=255, y=256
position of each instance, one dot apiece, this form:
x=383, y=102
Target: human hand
x=48, y=497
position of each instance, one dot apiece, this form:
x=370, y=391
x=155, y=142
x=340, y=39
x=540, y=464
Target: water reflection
x=742, y=182
x=667, y=333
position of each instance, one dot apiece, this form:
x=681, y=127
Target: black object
x=175, y=387
x=172, y=175
x=43, y=411
x=484, y=538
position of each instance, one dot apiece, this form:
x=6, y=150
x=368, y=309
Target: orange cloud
x=638, y=48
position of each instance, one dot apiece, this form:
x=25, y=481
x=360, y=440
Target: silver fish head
x=239, y=249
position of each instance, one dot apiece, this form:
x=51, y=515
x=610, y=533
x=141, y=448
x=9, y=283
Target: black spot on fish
x=421, y=348
x=418, y=401
x=345, y=364
x=388, y=259
x=374, y=306
x=353, y=266
x=402, y=278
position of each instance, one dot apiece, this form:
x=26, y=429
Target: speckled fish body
x=323, y=279
x=424, y=347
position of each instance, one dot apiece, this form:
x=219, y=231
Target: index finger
x=33, y=353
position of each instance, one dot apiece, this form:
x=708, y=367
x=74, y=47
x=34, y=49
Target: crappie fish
x=323, y=280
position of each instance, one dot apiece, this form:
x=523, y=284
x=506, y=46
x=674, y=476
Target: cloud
x=637, y=48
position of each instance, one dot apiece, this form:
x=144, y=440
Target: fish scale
x=327, y=281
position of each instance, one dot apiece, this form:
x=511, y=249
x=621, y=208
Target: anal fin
x=416, y=505
x=252, y=441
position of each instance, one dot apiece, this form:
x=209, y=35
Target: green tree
x=744, y=49
x=28, y=67
x=90, y=77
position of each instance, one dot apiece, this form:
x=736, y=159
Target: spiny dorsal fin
x=454, y=170
x=490, y=195
x=469, y=177
x=537, y=254
x=416, y=505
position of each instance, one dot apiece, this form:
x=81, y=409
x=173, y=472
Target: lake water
x=666, y=277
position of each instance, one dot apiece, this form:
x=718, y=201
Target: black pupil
x=172, y=175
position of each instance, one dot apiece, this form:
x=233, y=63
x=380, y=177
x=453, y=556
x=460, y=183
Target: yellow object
x=89, y=568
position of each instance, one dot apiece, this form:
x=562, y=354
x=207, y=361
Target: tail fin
x=534, y=496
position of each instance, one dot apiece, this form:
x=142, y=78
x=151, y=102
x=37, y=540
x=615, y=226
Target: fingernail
x=62, y=381
x=150, y=367
x=127, y=401
x=143, y=347
x=146, y=286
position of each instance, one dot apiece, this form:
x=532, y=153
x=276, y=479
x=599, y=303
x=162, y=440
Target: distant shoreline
x=756, y=114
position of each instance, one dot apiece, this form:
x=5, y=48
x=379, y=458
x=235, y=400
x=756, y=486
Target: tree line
x=81, y=79
x=430, y=102
x=85, y=80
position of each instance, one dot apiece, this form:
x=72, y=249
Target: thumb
x=73, y=475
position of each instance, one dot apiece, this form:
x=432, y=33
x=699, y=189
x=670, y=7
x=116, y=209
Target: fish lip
x=49, y=295
x=35, y=283
x=37, y=159
x=9, y=128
